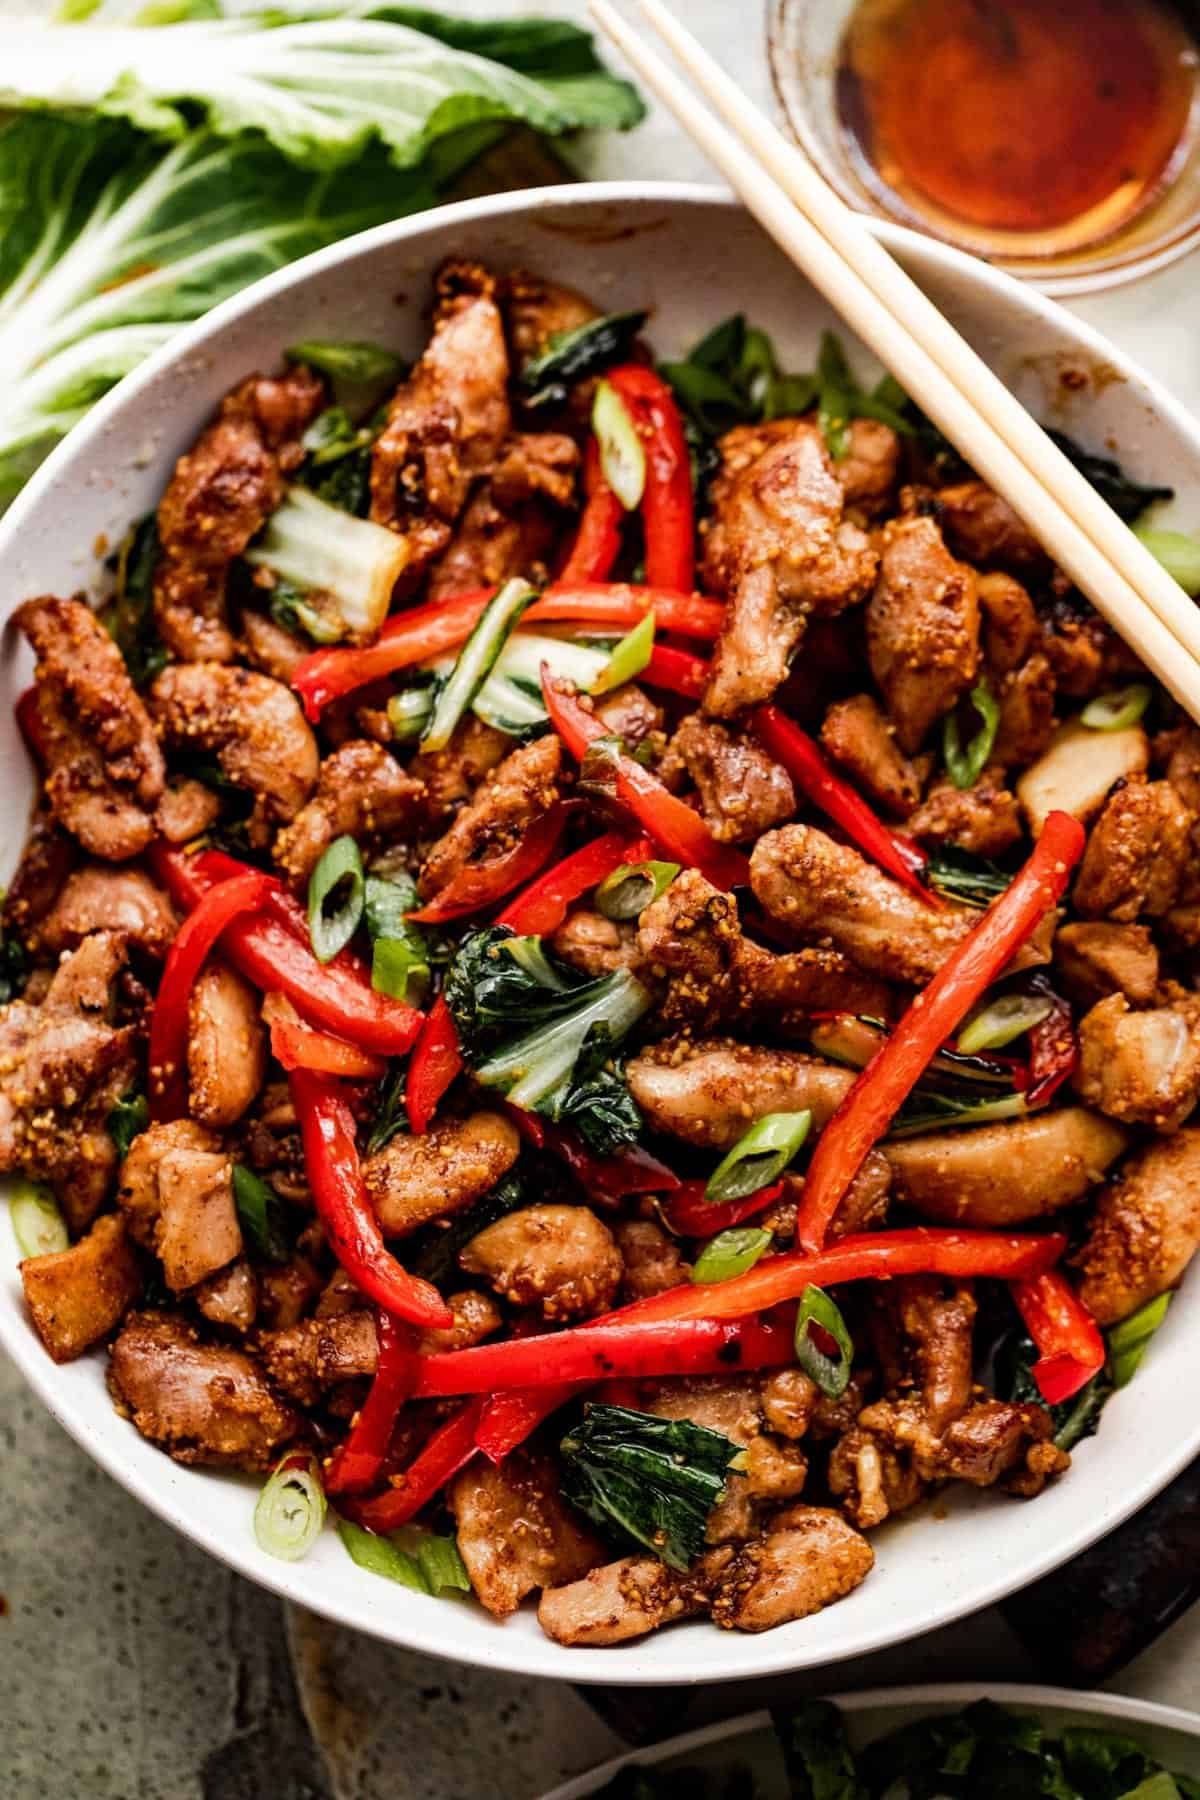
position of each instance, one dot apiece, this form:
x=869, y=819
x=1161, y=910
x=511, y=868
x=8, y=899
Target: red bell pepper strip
x=193, y=943
x=666, y=507
x=608, y=1178
x=598, y=542
x=691, y=1215
x=357, y=1463
x=480, y=885
x=594, y=1352
x=679, y=832
x=451, y=1446
x=866, y=1256
x=1053, y=1051
x=542, y=908
x=297, y=1046
x=425, y=632
x=435, y=1062
x=810, y=769
x=335, y=1177
x=888, y=1079
x=1067, y=1336
x=676, y=670
x=508, y=1417
x=336, y=997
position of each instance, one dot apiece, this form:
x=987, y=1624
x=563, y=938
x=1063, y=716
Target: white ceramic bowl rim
x=431, y=1626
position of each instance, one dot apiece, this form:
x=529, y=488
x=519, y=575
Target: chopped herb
x=390, y=1116
x=129, y=615
x=649, y=1480
x=127, y=1120
x=569, y=356
x=346, y=360
x=817, y=1752
x=262, y=1216
x=961, y=876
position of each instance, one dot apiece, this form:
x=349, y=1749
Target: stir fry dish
x=603, y=981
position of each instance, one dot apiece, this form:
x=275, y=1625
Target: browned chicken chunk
x=226, y=1045
x=1145, y=1229
x=304, y=1360
x=202, y=1403
x=415, y=1179
x=998, y=1176
x=870, y=470
x=983, y=528
x=801, y=1566
x=596, y=945
x=362, y=793
x=743, y=791
x=1142, y=1068
x=515, y=1533
x=177, y=1196
x=984, y=819
x=1136, y=854
x=520, y=790
x=104, y=767
x=75, y=1297
x=653, y=1261
x=709, y=1093
x=560, y=1259
x=857, y=735
x=1093, y=958
x=621, y=1601
x=230, y=1297
x=922, y=628
x=97, y=898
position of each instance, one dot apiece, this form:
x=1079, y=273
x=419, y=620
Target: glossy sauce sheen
x=1022, y=116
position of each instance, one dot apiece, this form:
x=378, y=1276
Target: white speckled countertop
x=135, y=1668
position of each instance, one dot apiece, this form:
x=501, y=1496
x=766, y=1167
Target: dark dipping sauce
x=1057, y=119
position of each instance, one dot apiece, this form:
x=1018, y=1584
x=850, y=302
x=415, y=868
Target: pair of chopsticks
x=939, y=370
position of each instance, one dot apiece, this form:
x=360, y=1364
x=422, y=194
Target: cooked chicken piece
x=362, y=793
x=596, y=945
x=230, y=1297
x=76, y=1296
x=104, y=767
x=1178, y=752
x=476, y=1317
x=340, y=1294
x=743, y=791
x=452, y=775
x=789, y=1399
x=1145, y=1228
x=561, y=1259
x=268, y=1141
x=869, y=472
x=221, y=494
x=1026, y=702
x=515, y=1533
x=982, y=528
x=271, y=648
x=856, y=733
x=732, y=1405
x=983, y=819
x=1142, y=1068
x=226, y=1045
x=1137, y=853
x=1086, y=655
x=989, y=1441
x=46, y=861
x=63, y=1068
x=286, y=1291
x=789, y=988
x=303, y=1360
x=1011, y=631
x=866, y=1199
x=824, y=889
x=446, y=422
x=1002, y=1175
x=520, y=790
x=536, y=310
x=630, y=714
x=1077, y=771
x=922, y=628
x=492, y=543
x=813, y=1560
x=710, y=1093
x=187, y=810
x=97, y=898
x=778, y=547
x=415, y=1179
x=872, y=1482
x=177, y=1196
x=653, y=1262
x=620, y=1601
x=1094, y=958
x=202, y=1403
x=253, y=725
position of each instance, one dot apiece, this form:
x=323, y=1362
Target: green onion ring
x=760, y=1157
x=731, y=1253
x=629, y=890
x=1178, y=553
x=629, y=657
x=964, y=767
x=819, y=1323
x=290, y=1510
x=341, y=868
x=1117, y=710
x=37, y=1223
x=622, y=455
x=1002, y=1022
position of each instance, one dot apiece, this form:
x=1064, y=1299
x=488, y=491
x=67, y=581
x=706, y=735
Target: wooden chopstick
x=897, y=322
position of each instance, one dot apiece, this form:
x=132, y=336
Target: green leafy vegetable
x=129, y=615
x=929, y=1109
x=306, y=615
x=965, y=765
x=320, y=89
x=1128, y=1340
x=336, y=898
x=345, y=565
x=493, y=989
x=959, y=875
x=127, y=1120
x=337, y=466
x=262, y=1215
x=569, y=356
x=1012, y=1378
x=1127, y=497
x=400, y=962
x=653, y=1481
x=597, y=1100
x=817, y=1753
x=390, y=1116
x=343, y=359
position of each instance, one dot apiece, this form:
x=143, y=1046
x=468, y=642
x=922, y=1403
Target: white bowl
x=1172, y=1737
x=694, y=256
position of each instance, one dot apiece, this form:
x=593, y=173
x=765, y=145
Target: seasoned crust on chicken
x=857, y=735
x=743, y=791
x=709, y=1092
x=561, y=1259
x=1145, y=1229
x=362, y=793
x=922, y=628
x=415, y=1179
x=96, y=898
x=515, y=1532
x=519, y=790
x=999, y=1176
x=1142, y=1068
x=76, y=1296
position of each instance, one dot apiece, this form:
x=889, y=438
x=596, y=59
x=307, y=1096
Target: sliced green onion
x=1118, y=709
x=290, y=1510
x=629, y=890
x=760, y=1157
x=622, y=455
x=337, y=881
x=1178, y=553
x=379, y=1556
x=1002, y=1022
x=437, y=1558
x=824, y=1348
x=629, y=658
x=731, y=1253
x=409, y=712
x=1127, y=1341
x=400, y=970
x=261, y=1214
x=345, y=359
x=387, y=901
x=37, y=1223
x=964, y=767
x=475, y=661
